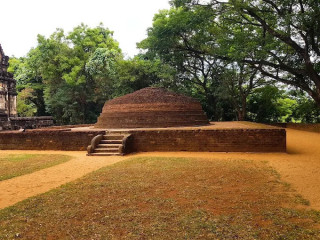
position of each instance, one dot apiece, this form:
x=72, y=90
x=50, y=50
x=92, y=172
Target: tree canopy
x=212, y=43
x=280, y=38
x=73, y=71
x=244, y=60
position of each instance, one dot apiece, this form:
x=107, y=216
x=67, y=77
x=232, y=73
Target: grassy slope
x=19, y=164
x=163, y=198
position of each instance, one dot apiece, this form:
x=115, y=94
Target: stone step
x=108, y=145
x=104, y=154
x=113, y=137
x=118, y=132
x=116, y=150
x=111, y=142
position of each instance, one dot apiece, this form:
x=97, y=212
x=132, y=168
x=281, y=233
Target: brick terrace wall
x=230, y=140
x=47, y=140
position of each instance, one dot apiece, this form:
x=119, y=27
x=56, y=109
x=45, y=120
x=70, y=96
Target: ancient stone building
x=152, y=108
x=8, y=94
x=8, y=102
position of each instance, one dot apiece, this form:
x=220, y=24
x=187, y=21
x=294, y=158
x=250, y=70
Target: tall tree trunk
x=212, y=106
x=242, y=113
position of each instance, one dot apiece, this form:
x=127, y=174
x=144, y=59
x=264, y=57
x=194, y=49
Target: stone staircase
x=110, y=144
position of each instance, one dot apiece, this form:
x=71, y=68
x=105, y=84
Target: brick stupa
x=151, y=108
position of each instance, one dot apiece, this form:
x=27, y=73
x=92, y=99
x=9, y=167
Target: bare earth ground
x=20, y=188
x=300, y=167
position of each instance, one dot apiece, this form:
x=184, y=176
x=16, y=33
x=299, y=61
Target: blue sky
x=23, y=20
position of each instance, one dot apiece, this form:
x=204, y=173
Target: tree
x=134, y=74
x=282, y=37
x=306, y=109
x=294, y=28
x=73, y=68
x=26, y=72
x=25, y=105
x=180, y=37
x=239, y=83
x=76, y=73
x=271, y=104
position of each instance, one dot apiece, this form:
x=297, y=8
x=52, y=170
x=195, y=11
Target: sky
x=23, y=20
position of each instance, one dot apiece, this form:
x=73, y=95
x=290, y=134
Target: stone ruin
x=148, y=109
x=152, y=108
x=8, y=102
x=8, y=93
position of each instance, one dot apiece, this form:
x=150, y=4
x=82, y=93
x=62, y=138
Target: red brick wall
x=47, y=140
x=152, y=119
x=231, y=140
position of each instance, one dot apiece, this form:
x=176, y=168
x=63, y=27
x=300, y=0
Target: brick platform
x=221, y=137
x=48, y=139
x=218, y=137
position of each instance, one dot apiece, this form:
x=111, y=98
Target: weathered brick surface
x=47, y=140
x=231, y=140
x=151, y=119
x=152, y=108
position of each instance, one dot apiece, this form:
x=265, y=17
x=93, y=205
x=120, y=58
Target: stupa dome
x=151, y=108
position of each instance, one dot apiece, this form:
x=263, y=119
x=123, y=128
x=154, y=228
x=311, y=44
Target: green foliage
x=72, y=68
x=182, y=38
x=137, y=73
x=30, y=100
x=14, y=64
x=270, y=104
x=280, y=38
x=25, y=106
x=70, y=76
x=306, y=110
x=221, y=52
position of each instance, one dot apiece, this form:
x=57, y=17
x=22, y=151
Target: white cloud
x=23, y=20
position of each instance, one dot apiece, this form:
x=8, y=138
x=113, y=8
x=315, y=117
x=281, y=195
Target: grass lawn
x=14, y=165
x=167, y=198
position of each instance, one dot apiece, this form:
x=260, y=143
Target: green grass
x=166, y=198
x=15, y=165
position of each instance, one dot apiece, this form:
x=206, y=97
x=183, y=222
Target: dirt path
x=300, y=167
x=20, y=188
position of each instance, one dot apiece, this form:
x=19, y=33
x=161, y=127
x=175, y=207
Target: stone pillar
x=13, y=106
x=12, y=99
x=3, y=95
